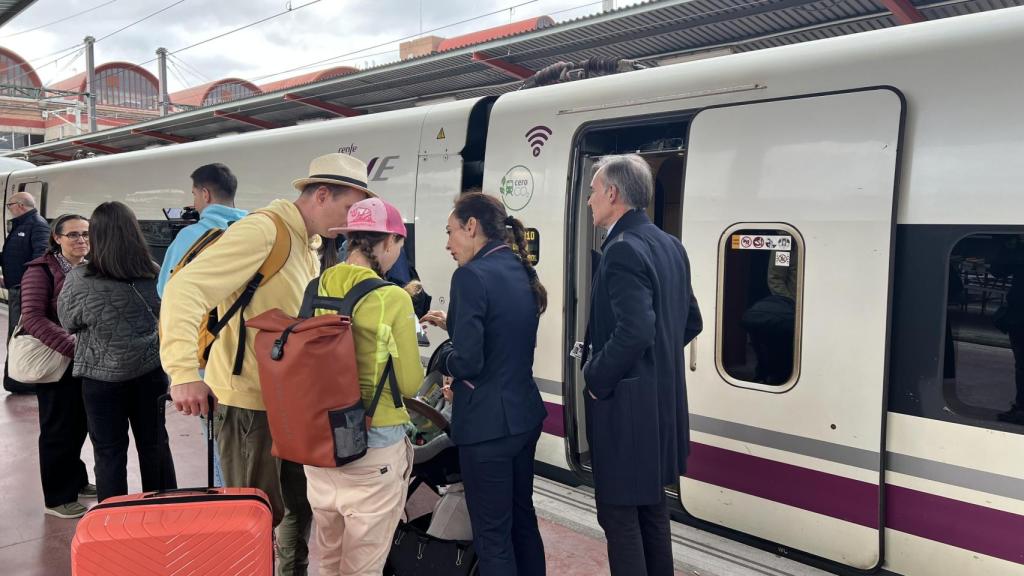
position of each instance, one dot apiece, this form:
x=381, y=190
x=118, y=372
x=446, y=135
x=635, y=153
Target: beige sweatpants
x=357, y=508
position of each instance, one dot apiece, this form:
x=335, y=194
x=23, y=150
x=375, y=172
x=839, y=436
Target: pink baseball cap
x=373, y=215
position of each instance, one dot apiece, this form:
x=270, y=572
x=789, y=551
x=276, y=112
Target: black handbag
x=416, y=553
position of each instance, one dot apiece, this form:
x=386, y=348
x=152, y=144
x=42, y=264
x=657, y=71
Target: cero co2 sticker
x=516, y=188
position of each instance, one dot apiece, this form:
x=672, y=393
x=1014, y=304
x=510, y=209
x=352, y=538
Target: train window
x=983, y=367
x=759, y=304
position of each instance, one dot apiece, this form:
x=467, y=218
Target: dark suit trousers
x=639, y=539
x=62, y=432
x=113, y=406
x=498, y=476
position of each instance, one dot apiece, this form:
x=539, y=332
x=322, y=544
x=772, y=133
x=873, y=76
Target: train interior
x=662, y=143
x=984, y=332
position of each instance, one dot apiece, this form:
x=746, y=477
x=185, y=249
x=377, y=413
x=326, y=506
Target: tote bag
x=32, y=362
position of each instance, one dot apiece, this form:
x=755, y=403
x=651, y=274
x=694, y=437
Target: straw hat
x=337, y=169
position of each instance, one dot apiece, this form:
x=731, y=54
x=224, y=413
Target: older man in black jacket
x=28, y=240
x=642, y=314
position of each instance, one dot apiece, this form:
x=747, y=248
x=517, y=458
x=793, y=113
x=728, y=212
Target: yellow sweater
x=216, y=278
x=384, y=324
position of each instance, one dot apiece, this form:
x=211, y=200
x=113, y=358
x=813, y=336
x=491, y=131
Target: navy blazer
x=492, y=321
x=642, y=313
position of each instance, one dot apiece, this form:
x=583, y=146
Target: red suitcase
x=193, y=531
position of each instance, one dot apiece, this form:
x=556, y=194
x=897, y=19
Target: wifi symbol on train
x=537, y=137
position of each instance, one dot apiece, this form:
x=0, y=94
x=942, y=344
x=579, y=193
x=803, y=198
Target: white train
x=848, y=206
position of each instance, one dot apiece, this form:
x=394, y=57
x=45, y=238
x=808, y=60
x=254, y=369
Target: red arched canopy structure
x=215, y=92
x=481, y=36
x=119, y=84
x=308, y=78
x=17, y=76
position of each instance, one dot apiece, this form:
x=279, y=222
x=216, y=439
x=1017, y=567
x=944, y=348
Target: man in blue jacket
x=28, y=240
x=642, y=314
x=213, y=194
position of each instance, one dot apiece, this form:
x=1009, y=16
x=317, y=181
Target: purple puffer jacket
x=39, y=304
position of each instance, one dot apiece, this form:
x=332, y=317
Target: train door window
x=759, y=305
x=983, y=366
x=38, y=191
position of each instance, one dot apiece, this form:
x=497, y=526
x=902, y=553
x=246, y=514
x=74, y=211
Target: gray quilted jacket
x=116, y=325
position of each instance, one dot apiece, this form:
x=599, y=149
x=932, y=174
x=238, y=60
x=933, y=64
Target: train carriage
x=853, y=214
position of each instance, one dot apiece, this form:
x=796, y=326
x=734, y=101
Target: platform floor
x=34, y=544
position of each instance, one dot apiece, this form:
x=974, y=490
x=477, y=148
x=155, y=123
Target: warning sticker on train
x=757, y=242
x=782, y=258
x=516, y=188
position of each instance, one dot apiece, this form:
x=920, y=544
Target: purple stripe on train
x=977, y=528
x=827, y=494
x=554, y=424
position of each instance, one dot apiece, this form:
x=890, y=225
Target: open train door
x=789, y=219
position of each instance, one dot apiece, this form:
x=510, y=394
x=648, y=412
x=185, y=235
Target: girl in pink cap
x=357, y=506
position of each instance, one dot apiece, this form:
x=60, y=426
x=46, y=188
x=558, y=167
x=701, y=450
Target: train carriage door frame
x=37, y=188
x=660, y=139
x=788, y=439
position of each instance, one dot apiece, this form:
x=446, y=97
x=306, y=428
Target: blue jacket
x=214, y=216
x=642, y=313
x=28, y=240
x=492, y=320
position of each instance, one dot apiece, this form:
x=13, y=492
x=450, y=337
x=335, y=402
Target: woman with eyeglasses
x=112, y=305
x=62, y=422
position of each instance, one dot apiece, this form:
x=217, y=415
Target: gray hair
x=631, y=175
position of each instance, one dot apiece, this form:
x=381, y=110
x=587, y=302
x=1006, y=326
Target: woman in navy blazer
x=496, y=301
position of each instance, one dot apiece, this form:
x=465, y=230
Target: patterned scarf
x=65, y=264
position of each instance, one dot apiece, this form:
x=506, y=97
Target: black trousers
x=111, y=407
x=62, y=432
x=498, y=477
x=639, y=539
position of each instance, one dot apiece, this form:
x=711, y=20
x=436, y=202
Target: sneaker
x=88, y=491
x=69, y=510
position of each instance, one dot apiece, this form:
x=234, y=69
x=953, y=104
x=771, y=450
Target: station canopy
x=651, y=33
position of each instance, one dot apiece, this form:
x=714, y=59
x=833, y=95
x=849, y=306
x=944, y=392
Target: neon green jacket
x=383, y=324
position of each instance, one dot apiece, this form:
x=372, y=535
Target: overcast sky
x=367, y=30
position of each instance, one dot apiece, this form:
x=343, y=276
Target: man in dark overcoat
x=642, y=314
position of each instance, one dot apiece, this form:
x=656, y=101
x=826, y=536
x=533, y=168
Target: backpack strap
x=279, y=252
x=207, y=238
x=272, y=264
x=312, y=301
x=387, y=376
x=348, y=304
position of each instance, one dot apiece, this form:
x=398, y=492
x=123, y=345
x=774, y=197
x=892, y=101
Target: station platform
x=34, y=544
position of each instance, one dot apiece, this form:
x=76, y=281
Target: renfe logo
x=350, y=149
x=537, y=137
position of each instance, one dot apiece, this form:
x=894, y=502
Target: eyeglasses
x=9, y=204
x=76, y=236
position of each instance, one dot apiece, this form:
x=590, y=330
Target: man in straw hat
x=216, y=278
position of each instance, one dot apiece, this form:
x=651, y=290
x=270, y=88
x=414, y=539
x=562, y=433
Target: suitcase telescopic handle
x=162, y=415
